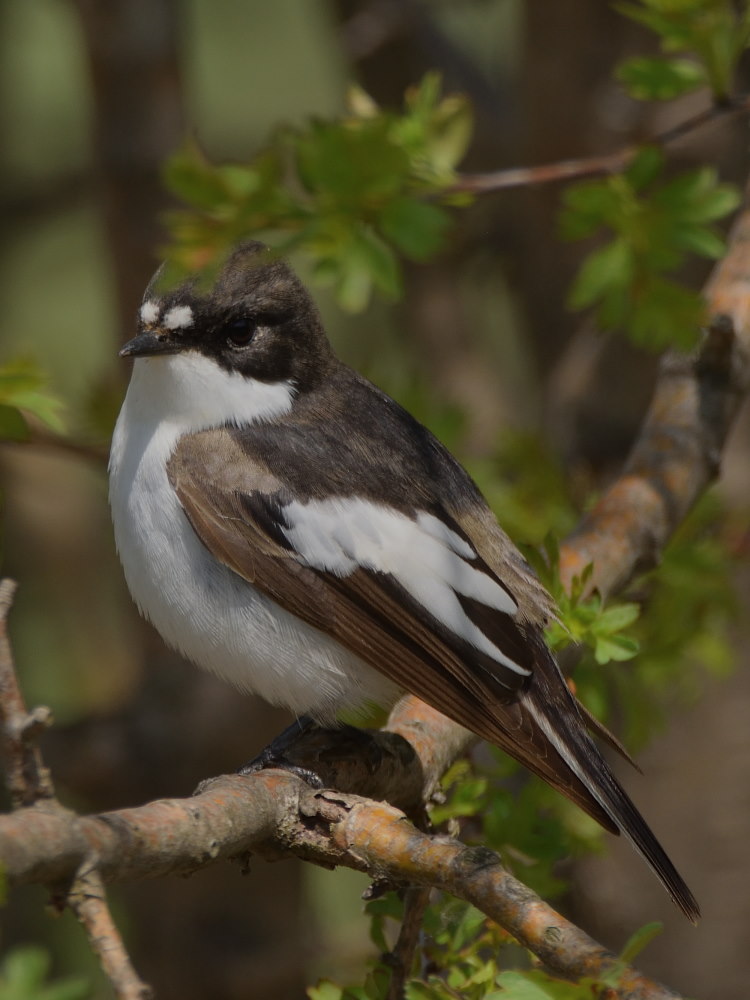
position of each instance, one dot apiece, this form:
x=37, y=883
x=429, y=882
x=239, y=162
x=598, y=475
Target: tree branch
x=500, y=180
x=273, y=814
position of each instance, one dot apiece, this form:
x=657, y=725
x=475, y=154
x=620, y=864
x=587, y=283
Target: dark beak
x=149, y=343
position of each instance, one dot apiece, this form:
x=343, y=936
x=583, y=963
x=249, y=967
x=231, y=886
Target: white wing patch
x=428, y=559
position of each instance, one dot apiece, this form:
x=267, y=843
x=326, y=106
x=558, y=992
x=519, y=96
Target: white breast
x=200, y=607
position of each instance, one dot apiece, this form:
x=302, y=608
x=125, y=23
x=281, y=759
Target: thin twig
x=87, y=899
x=499, y=180
x=27, y=778
x=401, y=957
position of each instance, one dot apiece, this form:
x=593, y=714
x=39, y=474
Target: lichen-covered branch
x=273, y=814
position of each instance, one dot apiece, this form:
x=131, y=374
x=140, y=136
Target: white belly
x=201, y=608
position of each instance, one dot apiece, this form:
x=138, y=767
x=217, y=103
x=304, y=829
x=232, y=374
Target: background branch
x=590, y=166
x=27, y=778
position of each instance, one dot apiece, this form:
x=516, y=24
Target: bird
x=286, y=525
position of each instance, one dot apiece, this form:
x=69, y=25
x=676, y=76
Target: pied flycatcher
x=286, y=525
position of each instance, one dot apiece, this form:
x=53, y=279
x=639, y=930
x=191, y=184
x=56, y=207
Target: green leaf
x=587, y=207
x=605, y=270
x=362, y=259
x=645, y=167
x=189, y=175
x=449, y=133
x=615, y=647
x=666, y=314
x=343, y=164
x=416, y=990
x=24, y=387
x=696, y=196
x=354, y=285
x=416, y=227
x=639, y=940
x=701, y=240
x=535, y=985
x=616, y=617
x=653, y=79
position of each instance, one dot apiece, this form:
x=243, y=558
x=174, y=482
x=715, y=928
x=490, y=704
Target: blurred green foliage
x=24, y=973
x=714, y=33
x=353, y=192
x=24, y=389
x=655, y=224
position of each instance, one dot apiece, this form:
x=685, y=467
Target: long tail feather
x=556, y=712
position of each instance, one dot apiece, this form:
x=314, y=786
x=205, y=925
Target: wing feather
x=375, y=618
x=530, y=714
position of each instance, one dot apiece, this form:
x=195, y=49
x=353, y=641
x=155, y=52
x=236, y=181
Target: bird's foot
x=305, y=742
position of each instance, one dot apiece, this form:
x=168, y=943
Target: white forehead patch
x=178, y=318
x=150, y=312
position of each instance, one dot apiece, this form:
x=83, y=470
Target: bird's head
x=253, y=318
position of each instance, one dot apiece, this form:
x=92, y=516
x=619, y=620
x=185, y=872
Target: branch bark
x=273, y=814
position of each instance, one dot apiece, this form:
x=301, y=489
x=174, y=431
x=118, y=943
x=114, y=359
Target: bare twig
x=27, y=778
x=499, y=180
x=401, y=958
x=88, y=901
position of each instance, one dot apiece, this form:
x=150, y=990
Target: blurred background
x=94, y=96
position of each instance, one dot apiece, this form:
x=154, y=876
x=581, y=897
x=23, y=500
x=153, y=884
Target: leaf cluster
x=709, y=35
x=355, y=193
x=463, y=955
x=653, y=225
x=23, y=391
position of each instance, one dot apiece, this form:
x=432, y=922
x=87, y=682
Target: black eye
x=240, y=332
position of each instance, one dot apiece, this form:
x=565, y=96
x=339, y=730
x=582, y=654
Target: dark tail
x=555, y=711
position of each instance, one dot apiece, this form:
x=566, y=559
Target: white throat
x=192, y=392
x=179, y=394
x=200, y=607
